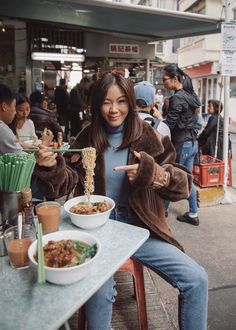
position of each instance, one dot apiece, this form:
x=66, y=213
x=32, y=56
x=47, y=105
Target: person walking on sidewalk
x=181, y=119
x=135, y=166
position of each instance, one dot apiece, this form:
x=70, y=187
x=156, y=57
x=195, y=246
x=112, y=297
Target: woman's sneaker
x=186, y=218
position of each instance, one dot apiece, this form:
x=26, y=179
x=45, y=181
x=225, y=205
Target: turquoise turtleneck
x=117, y=184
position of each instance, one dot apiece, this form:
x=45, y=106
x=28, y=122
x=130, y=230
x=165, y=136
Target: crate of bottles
x=209, y=172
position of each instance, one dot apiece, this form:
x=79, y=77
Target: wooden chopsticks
x=54, y=150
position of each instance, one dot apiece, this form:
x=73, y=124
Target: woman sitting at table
x=136, y=167
x=22, y=126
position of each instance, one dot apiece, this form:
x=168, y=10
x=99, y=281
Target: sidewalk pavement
x=213, y=245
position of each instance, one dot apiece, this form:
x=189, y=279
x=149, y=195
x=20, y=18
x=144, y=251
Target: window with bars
x=234, y=14
x=56, y=40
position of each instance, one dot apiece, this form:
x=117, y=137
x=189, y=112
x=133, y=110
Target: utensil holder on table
x=10, y=203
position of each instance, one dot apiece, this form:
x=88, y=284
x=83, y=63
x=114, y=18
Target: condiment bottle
x=27, y=207
x=59, y=139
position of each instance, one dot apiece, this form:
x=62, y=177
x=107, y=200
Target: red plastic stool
x=136, y=269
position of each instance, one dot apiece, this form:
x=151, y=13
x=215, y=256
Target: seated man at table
x=8, y=142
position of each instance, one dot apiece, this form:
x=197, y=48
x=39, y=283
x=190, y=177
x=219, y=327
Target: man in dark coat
x=42, y=117
x=61, y=98
x=78, y=101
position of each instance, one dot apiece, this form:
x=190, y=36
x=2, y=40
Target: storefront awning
x=134, y=21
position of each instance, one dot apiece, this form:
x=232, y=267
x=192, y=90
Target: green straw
x=12, y=177
x=17, y=176
x=41, y=262
x=16, y=171
x=31, y=166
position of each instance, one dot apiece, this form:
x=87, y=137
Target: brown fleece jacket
x=159, y=177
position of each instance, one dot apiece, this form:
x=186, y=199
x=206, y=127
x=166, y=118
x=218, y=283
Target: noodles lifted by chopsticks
x=89, y=162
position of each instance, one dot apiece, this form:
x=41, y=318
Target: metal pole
x=147, y=69
x=226, y=110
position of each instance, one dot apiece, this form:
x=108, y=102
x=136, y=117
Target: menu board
x=228, y=32
x=228, y=63
x=228, y=54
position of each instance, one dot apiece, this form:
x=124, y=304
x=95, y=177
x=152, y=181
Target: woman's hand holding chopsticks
x=45, y=156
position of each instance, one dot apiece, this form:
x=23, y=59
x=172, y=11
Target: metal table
x=26, y=305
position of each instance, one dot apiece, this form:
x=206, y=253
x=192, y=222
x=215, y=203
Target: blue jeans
x=187, y=155
x=172, y=265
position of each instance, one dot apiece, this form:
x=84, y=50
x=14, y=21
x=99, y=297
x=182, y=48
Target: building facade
x=200, y=56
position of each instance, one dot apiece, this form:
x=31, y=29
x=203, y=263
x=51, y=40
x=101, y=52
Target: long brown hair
x=133, y=126
x=20, y=98
x=217, y=105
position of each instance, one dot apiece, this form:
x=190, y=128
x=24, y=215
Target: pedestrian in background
x=61, y=99
x=181, y=119
x=78, y=102
x=207, y=139
x=159, y=98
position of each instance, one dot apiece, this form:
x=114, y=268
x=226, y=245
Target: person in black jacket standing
x=78, y=102
x=181, y=119
x=207, y=139
x=61, y=98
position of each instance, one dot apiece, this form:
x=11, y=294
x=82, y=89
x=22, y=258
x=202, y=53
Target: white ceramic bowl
x=89, y=221
x=71, y=274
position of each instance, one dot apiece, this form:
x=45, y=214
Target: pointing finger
x=125, y=167
x=137, y=154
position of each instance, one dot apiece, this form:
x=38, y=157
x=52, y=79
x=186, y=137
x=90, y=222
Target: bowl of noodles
x=68, y=255
x=92, y=214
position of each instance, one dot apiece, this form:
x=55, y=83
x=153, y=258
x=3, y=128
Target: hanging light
x=2, y=26
x=42, y=56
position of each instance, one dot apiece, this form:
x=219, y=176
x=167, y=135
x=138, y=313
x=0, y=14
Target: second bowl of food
x=89, y=215
x=68, y=255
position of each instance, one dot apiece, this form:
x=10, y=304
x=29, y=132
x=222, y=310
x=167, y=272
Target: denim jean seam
x=160, y=273
x=181, y=306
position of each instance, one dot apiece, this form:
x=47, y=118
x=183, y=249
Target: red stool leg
x=82, y=324
x=140, y=295
x=136, y=269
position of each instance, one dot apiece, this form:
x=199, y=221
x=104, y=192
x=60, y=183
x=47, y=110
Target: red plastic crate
x=209, y=172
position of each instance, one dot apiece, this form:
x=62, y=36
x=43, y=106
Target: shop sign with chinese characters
x=228, y=54
x=123, y=49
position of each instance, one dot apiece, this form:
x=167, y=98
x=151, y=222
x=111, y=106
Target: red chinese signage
x=124, y=49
